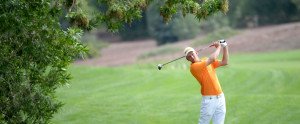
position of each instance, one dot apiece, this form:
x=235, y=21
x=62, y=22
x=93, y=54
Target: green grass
x=259, y=89
x=222, y=33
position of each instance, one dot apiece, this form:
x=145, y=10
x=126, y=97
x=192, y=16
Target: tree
x=178, y=28
x=136, y=30
x=178, y=9
x=182, y=15
x=246, y=13
x=35, y=51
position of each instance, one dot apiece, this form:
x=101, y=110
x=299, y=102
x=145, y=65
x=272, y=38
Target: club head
x=159, y=66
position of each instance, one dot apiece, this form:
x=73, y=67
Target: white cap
x=188, y=49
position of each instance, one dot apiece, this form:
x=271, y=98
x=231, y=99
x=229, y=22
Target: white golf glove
x=223, y=43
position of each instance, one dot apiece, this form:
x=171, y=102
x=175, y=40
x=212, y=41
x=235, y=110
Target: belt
x=213, y=96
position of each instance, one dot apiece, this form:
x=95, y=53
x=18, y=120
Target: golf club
x=159, y=66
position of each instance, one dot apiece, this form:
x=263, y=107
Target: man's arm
x=215, y=54
x=225, y=56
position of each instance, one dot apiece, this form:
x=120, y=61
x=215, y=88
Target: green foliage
x=259, y=88
x=297, y=3
x=254, y=13
x=201, y=10
x=79, y=19
x=185, y=27
x=247, y=13
x=181, y=24
x=34, y=56
x=114, y=13
x=136, y=30
x=94, y=45
x=178, y=28
x=215, y=22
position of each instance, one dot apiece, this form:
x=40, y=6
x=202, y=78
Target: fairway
x=260, y=88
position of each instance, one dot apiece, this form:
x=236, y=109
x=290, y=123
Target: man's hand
x=225, y=53
x=216, y=44
x=223, y=43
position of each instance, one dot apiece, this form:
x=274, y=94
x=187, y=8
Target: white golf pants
x=212, y=107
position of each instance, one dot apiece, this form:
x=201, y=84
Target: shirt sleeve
x=216, y=64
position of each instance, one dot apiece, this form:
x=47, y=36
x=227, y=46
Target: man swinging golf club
x=213, y=100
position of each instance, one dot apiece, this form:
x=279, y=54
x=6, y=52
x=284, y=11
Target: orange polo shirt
x=207, y=77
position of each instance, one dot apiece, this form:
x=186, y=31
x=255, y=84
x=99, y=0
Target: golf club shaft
x=184, y=56
x=173, y=60
x=204, y=48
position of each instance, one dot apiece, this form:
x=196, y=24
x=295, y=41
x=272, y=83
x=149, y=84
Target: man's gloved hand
x=223, y=43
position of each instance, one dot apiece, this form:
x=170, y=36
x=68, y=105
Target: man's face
x=192, y=57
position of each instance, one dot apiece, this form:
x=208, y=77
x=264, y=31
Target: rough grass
x=259, y=89
x=166, y=49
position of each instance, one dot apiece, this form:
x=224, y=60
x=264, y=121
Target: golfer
x=213, y=101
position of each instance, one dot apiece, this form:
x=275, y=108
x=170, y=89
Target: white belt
x=213, y=96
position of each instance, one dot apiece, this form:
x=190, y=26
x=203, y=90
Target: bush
x=179, y=28
x=136, y=30
x=94, y=45
x=214, y=22
x=34, y=56
x=251, y=13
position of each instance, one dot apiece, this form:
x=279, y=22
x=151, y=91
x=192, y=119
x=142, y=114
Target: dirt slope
x=120, y=53
x=263, y=39
x=271, y=38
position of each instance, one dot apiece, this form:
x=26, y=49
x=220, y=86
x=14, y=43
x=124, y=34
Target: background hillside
x=262, y=39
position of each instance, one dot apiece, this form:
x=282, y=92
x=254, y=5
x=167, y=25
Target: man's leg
x=219, y=115
x=207, y=110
